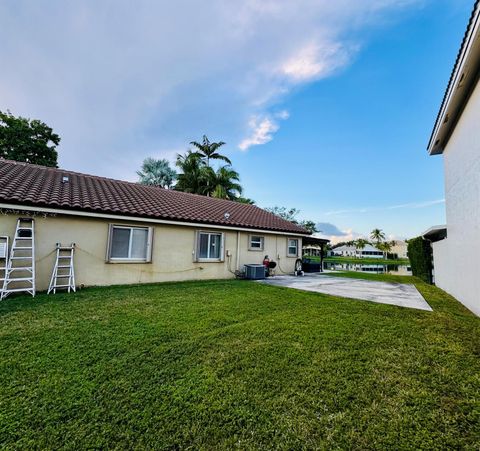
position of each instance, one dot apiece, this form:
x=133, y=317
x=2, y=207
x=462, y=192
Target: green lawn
x=236, y=364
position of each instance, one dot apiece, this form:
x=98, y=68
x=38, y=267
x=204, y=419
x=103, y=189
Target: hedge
x=420, y=255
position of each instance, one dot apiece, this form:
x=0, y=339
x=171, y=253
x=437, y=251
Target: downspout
x=237, y=264
x=321, y=257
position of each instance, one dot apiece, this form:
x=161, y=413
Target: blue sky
x=325, y=106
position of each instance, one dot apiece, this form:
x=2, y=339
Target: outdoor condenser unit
x=254, y=272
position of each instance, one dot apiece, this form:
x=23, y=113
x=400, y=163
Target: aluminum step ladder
x=4, y=247
x=20, y=269
x=63, y=274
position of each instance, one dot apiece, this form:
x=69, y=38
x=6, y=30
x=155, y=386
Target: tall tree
x=224, y=183
x=287, y=214
x=245, y=200
x=311, y=226
x=157, y=173
x=377, y=235
x=208, y=150
x=385, y=247
x=31, y=141
x=360, y=243
x=194, y=175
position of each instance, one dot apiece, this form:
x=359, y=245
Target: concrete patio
x=403, y=295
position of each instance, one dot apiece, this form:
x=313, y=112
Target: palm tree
x=224, y=184
x=245, y=200
x=194, y=175
x=157, y=173
x=385, y=247
x=377, y=235
x=208, y=150
x=360, y=243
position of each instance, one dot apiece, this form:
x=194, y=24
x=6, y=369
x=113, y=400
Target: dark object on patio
x=254, y=272
x=270, y=269
x=311, y=265
x=299, y=267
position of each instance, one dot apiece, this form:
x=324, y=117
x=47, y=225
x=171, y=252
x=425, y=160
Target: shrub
x=420, y=255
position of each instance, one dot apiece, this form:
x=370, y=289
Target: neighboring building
x=129, y=233
x=368, y=251
x=456, y=135
x=400, y=249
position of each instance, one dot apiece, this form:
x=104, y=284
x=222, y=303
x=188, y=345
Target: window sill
x=127, y=260
x=209, y=260
x=255, y=250
x=293, y=256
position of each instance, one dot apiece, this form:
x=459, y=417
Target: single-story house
x=126, y=233
x=456, y=136
x=368, y=251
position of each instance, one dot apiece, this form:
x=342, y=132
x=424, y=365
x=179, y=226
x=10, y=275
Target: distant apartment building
x=399, y=249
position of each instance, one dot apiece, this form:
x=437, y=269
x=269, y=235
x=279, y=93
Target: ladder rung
x=18, y=248
x=21, y=258
x=20, y=279
x=23, y=238
x=66, y=276
x=60, y=266
x=62, y=286
x=25, y=228
x=21, y=268
x=13, y=290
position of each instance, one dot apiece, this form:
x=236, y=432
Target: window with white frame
x=292, y=250
x=209, y=246
x=131, y=244
x=256, y=243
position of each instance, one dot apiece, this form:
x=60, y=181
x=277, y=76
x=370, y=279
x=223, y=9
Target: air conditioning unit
x=254, y=272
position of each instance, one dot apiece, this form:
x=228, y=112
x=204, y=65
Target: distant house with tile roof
x=130, y=233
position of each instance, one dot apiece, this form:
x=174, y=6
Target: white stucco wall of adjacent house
x=456, y=259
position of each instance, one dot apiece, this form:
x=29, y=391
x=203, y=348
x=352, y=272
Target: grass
x=236, y=364
x=364, y=261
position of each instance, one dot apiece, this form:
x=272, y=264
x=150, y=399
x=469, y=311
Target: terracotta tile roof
x=32, y=185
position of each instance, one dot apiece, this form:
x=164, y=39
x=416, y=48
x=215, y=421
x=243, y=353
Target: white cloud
x=410, y=205
x=118, y=80
x=262, y=129
x=314, y=61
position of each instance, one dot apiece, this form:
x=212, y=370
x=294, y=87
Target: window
x=209, y=246
x=292, y=250
x=130, y=244
x=256, y=243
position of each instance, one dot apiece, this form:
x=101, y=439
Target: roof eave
x=463, y=80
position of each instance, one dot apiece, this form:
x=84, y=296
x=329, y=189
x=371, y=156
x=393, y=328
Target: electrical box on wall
x=229, y=253
x=3, y=246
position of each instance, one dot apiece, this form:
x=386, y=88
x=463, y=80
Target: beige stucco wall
x=172, y=251
x=456, y=258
